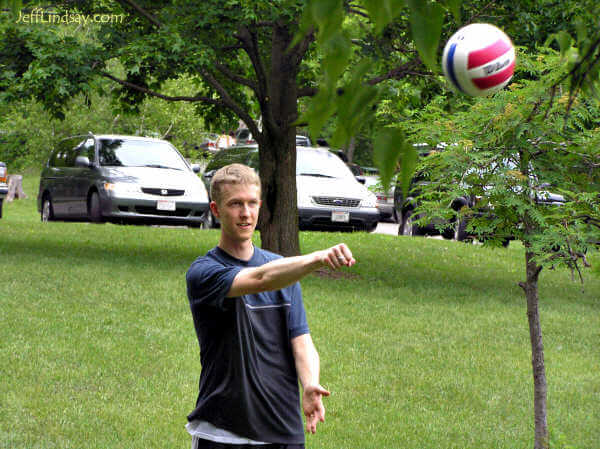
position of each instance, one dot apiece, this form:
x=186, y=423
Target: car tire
x=371, y=226
x=450, y=232
x=1, y=201
x=94, y=211
x=209, y=220
x=47, y=213
x=407, y=227
x=461, y=232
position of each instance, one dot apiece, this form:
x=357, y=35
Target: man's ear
x=214, y=208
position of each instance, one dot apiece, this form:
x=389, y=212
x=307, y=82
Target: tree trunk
x=540, y=388
x=279, y=214
x=278, y=221
x=350, y=149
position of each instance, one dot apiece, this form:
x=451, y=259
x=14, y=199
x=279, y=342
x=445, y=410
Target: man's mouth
x=244, y=225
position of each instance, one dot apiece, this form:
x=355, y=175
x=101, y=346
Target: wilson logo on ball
x=479, y=59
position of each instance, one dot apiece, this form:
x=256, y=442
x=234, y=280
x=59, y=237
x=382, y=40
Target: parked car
x=457, y=229
x=244, y=137
x=121, y=178
x=406, y=214
x=3, y=185
x=303, y=141
x=385, y=199
x=328, y=194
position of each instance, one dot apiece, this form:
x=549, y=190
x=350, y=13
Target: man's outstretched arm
x=308, y=367
x=286, y=271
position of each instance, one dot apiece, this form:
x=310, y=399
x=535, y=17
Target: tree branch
x=235, y=78
x=307, y=92
x=358, y=13
x=250, y=46
x=141, y=11
x=229, y=102
x=399, y=72
x=159, y=95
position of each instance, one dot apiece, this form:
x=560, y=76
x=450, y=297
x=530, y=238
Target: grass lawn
x=423, y=344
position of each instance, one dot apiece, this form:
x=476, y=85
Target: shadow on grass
x=88, y=250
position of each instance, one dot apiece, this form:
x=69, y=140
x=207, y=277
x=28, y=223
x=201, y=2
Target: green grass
x=423, y=344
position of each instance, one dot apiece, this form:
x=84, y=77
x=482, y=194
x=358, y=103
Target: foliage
x=510, y=149
x=27, y=132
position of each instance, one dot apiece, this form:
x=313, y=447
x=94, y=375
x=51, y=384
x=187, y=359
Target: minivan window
x=87, y=150
x=139, y=153
x=59, y=157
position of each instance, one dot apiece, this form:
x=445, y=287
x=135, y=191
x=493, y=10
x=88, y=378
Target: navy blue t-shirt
x=248, y=383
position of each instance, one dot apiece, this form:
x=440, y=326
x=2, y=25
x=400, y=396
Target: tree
x=511, y=152
x=250, y=60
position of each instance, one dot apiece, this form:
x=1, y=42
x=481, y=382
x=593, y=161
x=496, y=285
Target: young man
x=251, y=326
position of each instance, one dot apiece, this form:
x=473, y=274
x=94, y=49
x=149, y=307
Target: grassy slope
x=424, y=344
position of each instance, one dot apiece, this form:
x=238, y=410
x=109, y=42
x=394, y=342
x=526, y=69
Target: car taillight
x=2, y=174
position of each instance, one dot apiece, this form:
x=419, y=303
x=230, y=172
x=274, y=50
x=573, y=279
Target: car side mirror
x=196, y=168
x=82, y=161
x=361, y=179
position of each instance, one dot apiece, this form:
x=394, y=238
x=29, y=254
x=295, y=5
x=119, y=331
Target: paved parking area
x=387, y=228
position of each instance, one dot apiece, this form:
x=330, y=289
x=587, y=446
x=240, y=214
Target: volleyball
x=479, y=59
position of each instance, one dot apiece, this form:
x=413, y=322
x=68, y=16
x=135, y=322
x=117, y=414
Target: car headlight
x=369, y=201
x=304, y=200
x=120, y=188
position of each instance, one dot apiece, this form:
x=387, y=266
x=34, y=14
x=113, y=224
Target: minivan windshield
x=322, y=164
x=140, y=153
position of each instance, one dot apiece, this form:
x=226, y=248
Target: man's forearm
x=284, y=272
x=274, y=275
x=307, y=360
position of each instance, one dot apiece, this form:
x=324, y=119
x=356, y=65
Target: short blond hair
x=232, y=174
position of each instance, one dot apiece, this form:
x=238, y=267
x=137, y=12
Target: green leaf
x=388, y=145
x=328, y=15
x=407, y=167
x=426, y=20
x=382, y=12
x=564, y=41
x=337, y=56
x=454, y=7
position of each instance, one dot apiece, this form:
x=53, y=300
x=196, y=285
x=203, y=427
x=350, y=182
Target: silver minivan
x=121, y=178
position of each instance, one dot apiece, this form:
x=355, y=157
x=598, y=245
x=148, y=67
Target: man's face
x=238, y=210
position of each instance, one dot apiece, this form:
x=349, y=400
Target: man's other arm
x=307, y=363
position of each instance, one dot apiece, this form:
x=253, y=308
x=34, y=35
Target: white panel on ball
x=479, y=59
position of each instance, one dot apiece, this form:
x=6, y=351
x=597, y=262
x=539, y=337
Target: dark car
x=121, y=178
x=406, y=208
x=3, y=185
x=457, y=228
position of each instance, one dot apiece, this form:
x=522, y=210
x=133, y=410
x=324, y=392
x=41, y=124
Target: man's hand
x=312, y=404
x=337, y=256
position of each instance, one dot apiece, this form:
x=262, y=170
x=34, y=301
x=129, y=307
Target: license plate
x=340, y=217
x=165, y=205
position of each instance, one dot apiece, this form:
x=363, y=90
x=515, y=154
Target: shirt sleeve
x=208, y=282
x=298, y=325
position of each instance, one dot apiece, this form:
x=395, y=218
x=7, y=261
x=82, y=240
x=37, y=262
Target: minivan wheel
x=47, y=210
x=94, y=211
